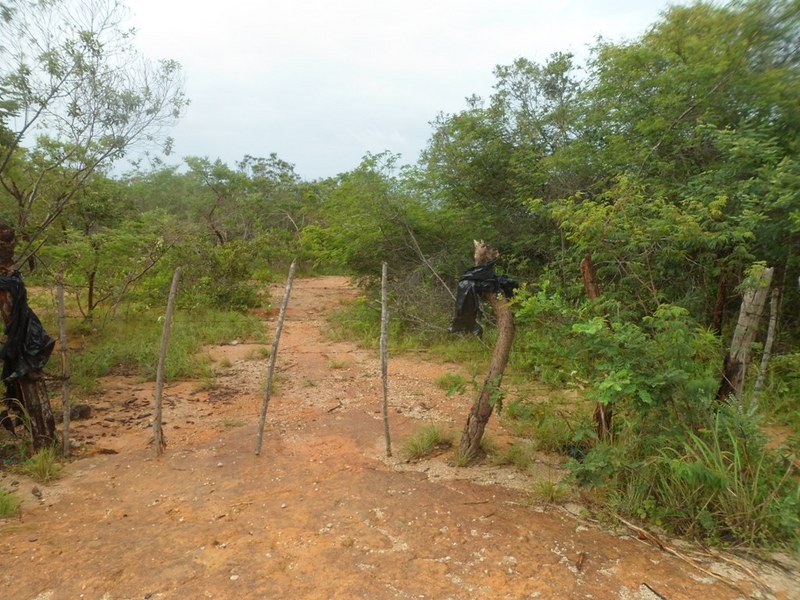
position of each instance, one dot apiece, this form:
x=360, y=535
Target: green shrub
x=719, y=483
x=550, y=428
x=781, y=398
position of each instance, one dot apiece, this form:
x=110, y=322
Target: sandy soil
x=322, y=512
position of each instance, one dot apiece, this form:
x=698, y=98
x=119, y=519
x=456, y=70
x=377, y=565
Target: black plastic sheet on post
x=27, y=347
x=474, y=282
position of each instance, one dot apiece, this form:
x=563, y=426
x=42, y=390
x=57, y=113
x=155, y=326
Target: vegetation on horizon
x=670, y=160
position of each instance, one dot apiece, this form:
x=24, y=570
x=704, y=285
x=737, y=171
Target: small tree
x=483, y=406
x=75, y=96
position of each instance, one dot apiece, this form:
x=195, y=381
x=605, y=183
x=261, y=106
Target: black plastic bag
x=471, y=285
x=27, y=346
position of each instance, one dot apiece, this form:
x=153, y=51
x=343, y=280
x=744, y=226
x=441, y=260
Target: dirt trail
x=321, y=513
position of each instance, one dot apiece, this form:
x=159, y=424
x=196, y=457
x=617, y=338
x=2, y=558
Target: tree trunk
x=589, y=278
x=36, y=402
x=484, y=404
x=735, y=365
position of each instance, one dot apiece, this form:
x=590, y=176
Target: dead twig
x=646, y=535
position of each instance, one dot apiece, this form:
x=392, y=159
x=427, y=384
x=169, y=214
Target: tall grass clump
x=43, y=466
x=9, y=504
x=722, y=483
x=425, y=441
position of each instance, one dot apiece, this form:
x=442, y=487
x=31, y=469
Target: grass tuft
x=9, y=504
x=426, y=441
x=43, y=466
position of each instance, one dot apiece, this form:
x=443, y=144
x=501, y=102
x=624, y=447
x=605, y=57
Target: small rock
x=80, y=411
x=283, y=505
x=36, y=492
x=234, y=577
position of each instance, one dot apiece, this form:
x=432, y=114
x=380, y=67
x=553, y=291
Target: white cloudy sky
x=323, y=82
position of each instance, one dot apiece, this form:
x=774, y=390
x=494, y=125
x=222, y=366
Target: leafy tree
x=76, y=96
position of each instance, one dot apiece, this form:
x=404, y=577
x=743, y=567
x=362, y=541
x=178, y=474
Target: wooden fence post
x=62, y=326
x=158, y=435
x=767, y=354
x=735, y=365
x=273, y=356
x=384, y=357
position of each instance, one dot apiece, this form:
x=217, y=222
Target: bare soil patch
x=322, y=513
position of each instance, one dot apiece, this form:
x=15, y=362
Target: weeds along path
x=321, y=513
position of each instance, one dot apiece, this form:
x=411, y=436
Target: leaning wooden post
x=385, y=358
x=469, y=448
x=767, y=354
x=735, y=365
x=62, y=325
x=158, y=435
x=272, y=357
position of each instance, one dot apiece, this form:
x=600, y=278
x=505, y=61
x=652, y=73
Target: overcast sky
x=323, y=82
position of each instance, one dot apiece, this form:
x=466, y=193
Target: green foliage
x=218, y=275
x=103, y=263
x=666, y=358
x=427, y=440
x=550, y=491
x=549, y=427
x=75, y=97
x=43, y=466
x=722, y=483
x=452, y=383
x=781, y=399
x=9, y=504
x=358, y=320
x=130, y=346
x=519, y=454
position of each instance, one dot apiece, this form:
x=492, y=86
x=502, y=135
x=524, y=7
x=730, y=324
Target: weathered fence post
x=774, y=304
x=273, y=356
x=735, y=366
x=62, y=326
x=158, y=435
x=384, y=357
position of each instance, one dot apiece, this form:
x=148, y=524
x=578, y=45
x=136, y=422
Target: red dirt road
x=321, y=513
